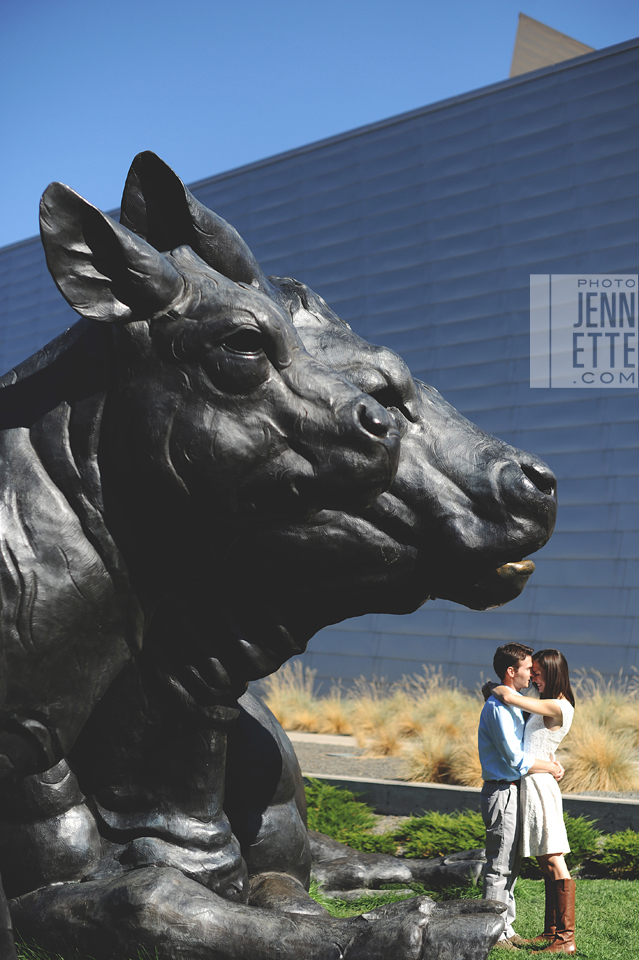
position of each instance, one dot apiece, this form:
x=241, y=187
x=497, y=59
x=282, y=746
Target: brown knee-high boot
x=564, y=941
x=550, y=912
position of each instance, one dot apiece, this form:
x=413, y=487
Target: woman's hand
x=505, y=694
x=487, y=689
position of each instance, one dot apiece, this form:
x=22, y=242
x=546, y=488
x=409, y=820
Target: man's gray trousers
x=500, y=812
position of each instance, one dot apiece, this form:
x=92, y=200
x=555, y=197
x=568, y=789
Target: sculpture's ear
x=102, y=269
x=159, y=207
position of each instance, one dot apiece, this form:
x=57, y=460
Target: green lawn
x=607, y=915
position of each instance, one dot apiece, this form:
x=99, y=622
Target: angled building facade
x=422, y=231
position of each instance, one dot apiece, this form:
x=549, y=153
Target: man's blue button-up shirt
x=501, y=736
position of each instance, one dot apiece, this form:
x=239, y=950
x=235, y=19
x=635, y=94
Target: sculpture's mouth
x=501, y=585
x=454, y=571
x=273, y=635
x=350, y=565
x=267, y=612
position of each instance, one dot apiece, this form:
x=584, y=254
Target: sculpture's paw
x=453, y=869
x=337, y=867
x=463, y=929
x=420, y=929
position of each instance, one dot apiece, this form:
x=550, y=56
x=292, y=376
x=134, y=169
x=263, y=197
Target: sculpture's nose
x=532, y=487
x=540, y=475
x=375, y=434
x=362, y=459
x=374, y=419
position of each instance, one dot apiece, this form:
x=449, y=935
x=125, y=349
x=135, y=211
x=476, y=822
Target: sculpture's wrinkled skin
x=192, y=840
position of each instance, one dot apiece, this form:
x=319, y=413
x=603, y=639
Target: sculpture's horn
x=160, y=208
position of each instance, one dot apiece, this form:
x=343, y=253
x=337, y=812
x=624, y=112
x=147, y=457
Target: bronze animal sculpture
x=135, y=450
x=166, y=852
x=109, y=493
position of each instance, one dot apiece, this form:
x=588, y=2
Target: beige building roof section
x=537, y=45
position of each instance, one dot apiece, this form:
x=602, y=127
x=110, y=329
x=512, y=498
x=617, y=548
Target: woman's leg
x=550, y=903
x=557, y=876
x=553, y=866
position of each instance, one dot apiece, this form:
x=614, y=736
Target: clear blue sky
x=214, y=84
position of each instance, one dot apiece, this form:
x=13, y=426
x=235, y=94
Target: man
x=503, y=764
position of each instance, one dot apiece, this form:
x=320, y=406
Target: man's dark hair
x=510, y=655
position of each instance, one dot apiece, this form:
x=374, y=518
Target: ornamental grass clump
x=445, y=750
x=335, y=713
x=612, y=702
x=432, y=722
x=464, y=765
x=384, y=740
x=375, y=717
x=290, y=695
x=426, y=718
x=598, y=758
x=429, y=758
x=629, y=721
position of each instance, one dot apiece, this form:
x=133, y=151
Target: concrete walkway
x=340, y=756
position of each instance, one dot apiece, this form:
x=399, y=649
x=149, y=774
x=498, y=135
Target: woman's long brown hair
x=557, y=679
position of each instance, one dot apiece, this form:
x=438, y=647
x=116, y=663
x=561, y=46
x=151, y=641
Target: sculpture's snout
x=515, y=497
x=375, y=436
x=531, y=486
x=375, y=421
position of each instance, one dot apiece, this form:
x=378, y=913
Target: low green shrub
x=341, y=816
x=372, y=842
x=332, y=810
x=619, y=857
x=584, y=839
x=437, y=834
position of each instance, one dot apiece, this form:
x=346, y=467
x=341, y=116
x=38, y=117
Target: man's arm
x=548, y=766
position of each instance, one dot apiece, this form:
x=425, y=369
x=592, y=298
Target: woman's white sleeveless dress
x=542, y=820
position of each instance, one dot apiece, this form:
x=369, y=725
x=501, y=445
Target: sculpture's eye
x=247, y=341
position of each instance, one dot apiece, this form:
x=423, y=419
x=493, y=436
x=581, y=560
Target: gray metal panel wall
x=422, y=231
x=32, y=312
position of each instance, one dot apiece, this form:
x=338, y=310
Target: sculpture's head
x=458, y=522
x=465, y=508
x=215, y=405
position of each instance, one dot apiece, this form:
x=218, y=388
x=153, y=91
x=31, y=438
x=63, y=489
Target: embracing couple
x=520, y=800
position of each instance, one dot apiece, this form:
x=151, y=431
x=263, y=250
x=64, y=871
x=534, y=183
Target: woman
x=543, y=833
